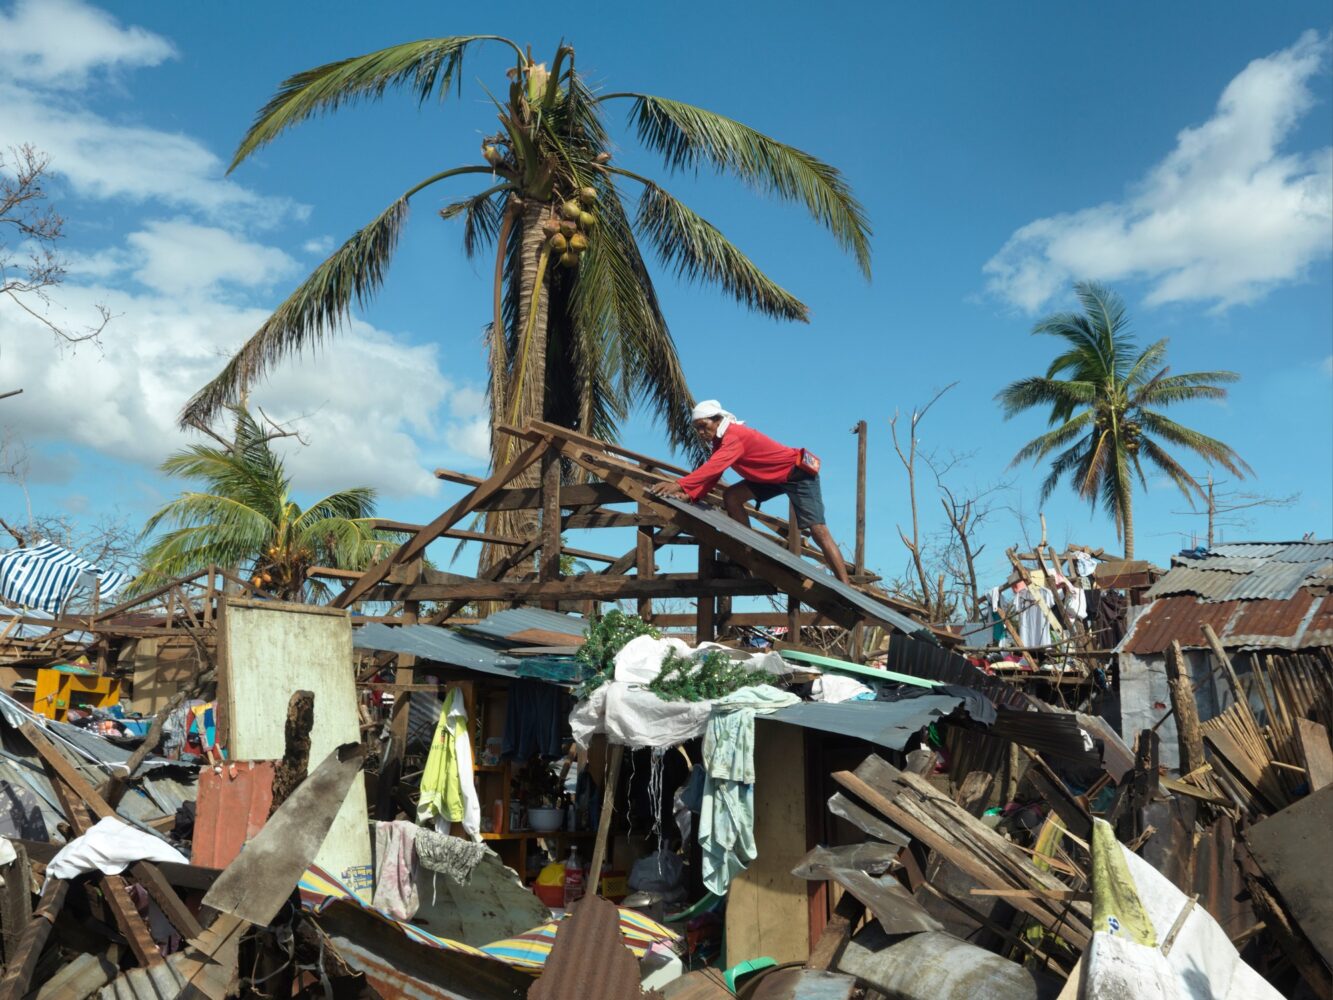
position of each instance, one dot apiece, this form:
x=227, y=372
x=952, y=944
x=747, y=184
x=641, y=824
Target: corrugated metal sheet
x=1305, y=621
x=770, y=551
x=440, y=645
x=1264, y=579
x=513, y=621
x=162, y=982
x=885, y=723
x=1312, y=551
x=925, y=659
x=230, y=811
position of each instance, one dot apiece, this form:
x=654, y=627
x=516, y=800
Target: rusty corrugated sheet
x=589, y=958
x=1179, y=617
x=230, y=810
x=1192, y=580
x=1303, y=622
x=1229, y=579
x=1271, y=619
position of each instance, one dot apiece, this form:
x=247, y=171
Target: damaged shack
x=537, y=783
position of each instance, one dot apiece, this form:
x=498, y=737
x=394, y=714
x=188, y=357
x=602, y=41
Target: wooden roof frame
x=615, y=475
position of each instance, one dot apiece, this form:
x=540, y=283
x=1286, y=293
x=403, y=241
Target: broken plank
x=594, y=587
x=1316, y=752
x=19, y=968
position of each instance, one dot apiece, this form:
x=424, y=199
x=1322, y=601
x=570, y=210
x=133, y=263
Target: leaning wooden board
x=269, y=651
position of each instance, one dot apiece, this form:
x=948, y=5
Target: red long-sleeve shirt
x=754, y=456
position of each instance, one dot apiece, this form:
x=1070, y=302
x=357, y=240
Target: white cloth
x=710, y=408
x=1076, y=602
x=463, y=756
x=835, y=688
x=1084, y=564
x=396, y=869
x=1034, y=628
x=110, y=847
x=6, y=852
x=628, y=713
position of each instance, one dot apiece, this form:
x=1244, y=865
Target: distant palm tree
x=244, y=518
x=577, y=334
x=1105, y=397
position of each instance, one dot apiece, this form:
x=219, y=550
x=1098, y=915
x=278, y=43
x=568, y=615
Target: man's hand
x=669, y=489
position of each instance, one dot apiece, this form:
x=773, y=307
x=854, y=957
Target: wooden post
x=391, y=764
x=793, y=600
x=705, y=620
x=594, y=877
x=860, y=432
x=645, y=560
x=1233, y=682
x=548, y=568
x=1187, y=712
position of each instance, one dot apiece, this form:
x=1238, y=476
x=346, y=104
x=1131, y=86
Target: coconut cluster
x=567, y=233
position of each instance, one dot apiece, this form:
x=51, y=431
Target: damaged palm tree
x=577, y=331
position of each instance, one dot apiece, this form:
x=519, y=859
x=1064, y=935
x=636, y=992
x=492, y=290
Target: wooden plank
x=593, y=587
x=530, y=497
x=837, y=932
x=793, y=599
x=612, y=519
x=20, y=967
x=767, y=909
x=645, y=562
x=448, y=519
x=1315, y=752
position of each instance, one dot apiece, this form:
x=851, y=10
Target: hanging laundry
x=1034, y=628
x=452, y=856
x=396, y=869
x=534, y=720
x=1076, y=602
x=447, y=790
x=726, y=821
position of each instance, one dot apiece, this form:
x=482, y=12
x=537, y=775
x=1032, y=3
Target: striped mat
x=43, y=576
x=527, y=951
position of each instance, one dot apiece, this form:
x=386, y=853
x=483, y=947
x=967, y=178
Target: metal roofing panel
x=1261, y=579
x=1276, y=620
x=432, y=642
x=1190, y=580
x=1278, y=581
x=885, y=723
x=1179, y=617
x=512, y=621
x=1311, y=551
x=770, y=550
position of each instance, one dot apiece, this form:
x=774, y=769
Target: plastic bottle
x=574, y=876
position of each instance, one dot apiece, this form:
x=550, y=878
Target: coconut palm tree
x=1105, y=397
x=577, y=331
x=244, y=517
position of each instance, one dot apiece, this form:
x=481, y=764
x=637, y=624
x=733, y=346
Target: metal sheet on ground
x=270, y=651
x=1292, y=849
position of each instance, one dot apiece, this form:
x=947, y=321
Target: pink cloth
x=396, y=869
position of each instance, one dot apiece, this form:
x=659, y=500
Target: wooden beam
x=530, y=497
x=594, y=587
x=548, y=563
x=20, y=966
x=450, y=476
x=1187, y=710
x=793, y=600
x=705, y=626
x=444, y=522
x=612, y=519
x=860, y=431
x=645, y=562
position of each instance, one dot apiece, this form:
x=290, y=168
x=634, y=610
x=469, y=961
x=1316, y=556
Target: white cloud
x=102, y=159
x=57, y=43
x=182, y=257
x=319, y=245
x=1224, y=218
x=122, y=399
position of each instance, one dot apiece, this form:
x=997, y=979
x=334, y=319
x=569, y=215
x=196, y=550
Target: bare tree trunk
x=524, y=393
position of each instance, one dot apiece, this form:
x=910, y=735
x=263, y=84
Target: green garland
x=604, y=638
x=714, y=675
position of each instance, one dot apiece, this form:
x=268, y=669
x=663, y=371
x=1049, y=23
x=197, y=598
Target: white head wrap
x=710, y=408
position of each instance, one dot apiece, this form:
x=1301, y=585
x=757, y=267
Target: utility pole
x=1212, y=511
x=860, y=431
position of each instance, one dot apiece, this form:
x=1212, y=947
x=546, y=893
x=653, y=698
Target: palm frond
x=317, y=307
x=481, y=218
x=699, y=252
x=351, y=504
x=1158, y=457
x=1065, y=462
x=1061, y=395
x=1040, y=447
x=1100, y=455
x=423, y=67
x=688, y=137
x=1183, y=388
x=1146, y=367
x=1206, y=447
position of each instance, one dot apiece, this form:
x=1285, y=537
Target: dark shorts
x=803, y=491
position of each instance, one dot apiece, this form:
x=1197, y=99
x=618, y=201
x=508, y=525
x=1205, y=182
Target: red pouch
x=807, y=462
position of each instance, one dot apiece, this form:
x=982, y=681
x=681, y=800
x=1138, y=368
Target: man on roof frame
x=766, y=469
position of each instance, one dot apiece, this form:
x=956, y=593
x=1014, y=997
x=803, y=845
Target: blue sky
x=1001, y=152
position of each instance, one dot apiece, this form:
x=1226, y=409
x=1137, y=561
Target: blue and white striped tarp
x=44, y=576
